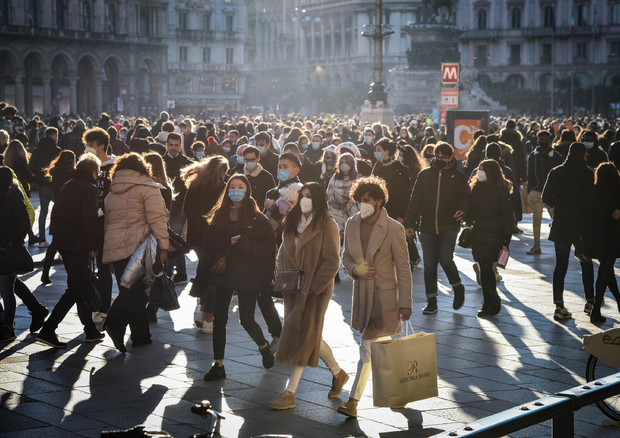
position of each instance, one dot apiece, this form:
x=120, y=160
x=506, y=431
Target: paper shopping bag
x=404, y=369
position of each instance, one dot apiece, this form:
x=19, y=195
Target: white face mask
x=366, y=210
x=88, y=150
x=305, y=204
x=482, y=176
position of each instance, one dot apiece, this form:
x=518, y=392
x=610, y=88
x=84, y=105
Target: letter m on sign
x=449, y=73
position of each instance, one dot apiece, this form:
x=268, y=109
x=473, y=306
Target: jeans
x=7, y=288
x=247, y=306
x=605, y=278
x=562, y=253
x=129, y=308
x=46, y=195
x=439, y=248
x=23, y=293
x=76, y=265
x=177, y=224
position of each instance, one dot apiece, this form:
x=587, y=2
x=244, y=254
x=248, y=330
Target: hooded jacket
x=134, y=208
x=46, y=152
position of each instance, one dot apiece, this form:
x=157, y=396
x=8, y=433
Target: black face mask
x=440, y=164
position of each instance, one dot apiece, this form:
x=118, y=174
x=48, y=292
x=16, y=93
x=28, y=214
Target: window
x=86, y=17
x=481, y=19
x=614, y=49
x=229, y=24
x=206, y=55
x=182, y=21
x=33, y=13
x=548, y=16
x=615, y=13
x=581, y=14
x=60, y=14
x=5, y=11
x=183, y=85
x=515, y=18
x=229, y=85
x=581, y=50
x=230, y=56
x=206, y=85
x=516, y=81
x=206, y=21
x=481, y=56
x=182, y=54
x=515, y=54
x=111, y=18
x=546, y=54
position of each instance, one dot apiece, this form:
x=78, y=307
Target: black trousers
x=489, y=285
x=270, y=314
x=76, y=265
x=129, y=308
x=247, y=306
x=104, y=283
x=562, y=253
x=24, y=294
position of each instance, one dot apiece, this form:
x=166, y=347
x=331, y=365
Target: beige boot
x=285, y=401
x=349, y=408
x=338, y=382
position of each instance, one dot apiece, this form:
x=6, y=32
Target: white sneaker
x=207, y=327
x=44, y=244
x=99, y=317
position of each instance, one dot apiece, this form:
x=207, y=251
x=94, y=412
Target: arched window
x=86, y=17
x=111, y=18
x=515, y=18
x=481, y=19
x=60, y=14
x=33, y=13
x=515, y=81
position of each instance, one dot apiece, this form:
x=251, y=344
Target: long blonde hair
x=158, y=168
x=16, y=152
x=205, y=173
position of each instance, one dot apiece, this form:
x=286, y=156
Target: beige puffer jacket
x=133, y=209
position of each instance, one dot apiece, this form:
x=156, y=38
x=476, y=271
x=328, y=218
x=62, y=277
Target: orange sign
x=449, y=73
x=449, y=98
x=464, y=136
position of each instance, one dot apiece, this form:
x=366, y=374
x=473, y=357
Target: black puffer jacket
x=568, y=189
x=601, y=233
x=396, y=176
x=74, y=222
x=197, y=203
x=491, y=214
x=436, y=197
x=539, y=164
x=249, y=264
x=41, y=158
x=14, y=220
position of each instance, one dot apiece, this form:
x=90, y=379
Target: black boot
x=431, y=306
x=595, y=316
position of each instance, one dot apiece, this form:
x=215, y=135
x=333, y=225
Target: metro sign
x=450, y=73
x=449, y=98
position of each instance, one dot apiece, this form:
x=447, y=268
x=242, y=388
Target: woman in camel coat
x=311, y=243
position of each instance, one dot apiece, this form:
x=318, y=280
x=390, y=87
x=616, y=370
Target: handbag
x=404, y=369
x=164, y=294
x=465, y=237
x=15, y=260
x=502, y=258
x=92, y=297
x=289, y=280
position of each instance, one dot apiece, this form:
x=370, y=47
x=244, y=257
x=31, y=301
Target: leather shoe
x=349, y=408
x=117, y=337
x=338, y=382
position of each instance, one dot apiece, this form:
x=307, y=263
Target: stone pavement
x=484, y=366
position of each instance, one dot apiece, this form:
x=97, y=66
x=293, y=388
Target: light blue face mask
x=284, y=175
x=200, y=154
x=251, y=165
x=304, y=146
x=261, y=149
x=367, y=139
x=226, y=149
x=315, y=145
x=240, y=159
x=236, y=195
x=345, y=167
x=378, y=156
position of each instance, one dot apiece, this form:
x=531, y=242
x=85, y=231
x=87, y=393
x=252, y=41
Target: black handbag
x=465, y=237
x=164, y=294
x=15, y=260
x=289, y=280
x=92, y=297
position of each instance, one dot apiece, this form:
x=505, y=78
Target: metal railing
x=559, y=408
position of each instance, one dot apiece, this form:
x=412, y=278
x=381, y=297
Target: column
x=47, y=93
x=332, y=33
x=343, y=34
x=73, y=92
x=322, y=27
x=97, y=81
x=133, y=91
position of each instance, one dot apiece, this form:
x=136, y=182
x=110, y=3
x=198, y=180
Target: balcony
x=195, y=34
x=545, y=60
x=232, y=35
x=514, y=60
x=204, y=67
x=613, y=58
x=486, y=34
x=580, y=60
x=481, y=61
x=71, y=34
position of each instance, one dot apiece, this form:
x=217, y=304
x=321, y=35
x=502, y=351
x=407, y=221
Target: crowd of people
x=261, y=197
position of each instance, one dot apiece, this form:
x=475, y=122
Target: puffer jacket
x=437, y=195
x=134, y=208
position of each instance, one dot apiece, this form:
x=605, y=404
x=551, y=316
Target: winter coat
x=568, y=189
x=134, y=209
x=325, y=174
x=269, y=161
x=73, y=140
x=317, y=254
x=41, y=158
x=29, y=206
x=173, y=170
x=261, y=184
x=198, y=202
x=396, y=176
x=539, y=164
x=308, y=172
x=436, y=197
x=60, y=176
x=490, y=213
x=515, y=140
x=14, y=221
x=596, y=156
x=341, y=206
x=376, y=302
x=601, y=234
x=118, y=147
x=515, y=196
x=74, y=222
x=249, y=263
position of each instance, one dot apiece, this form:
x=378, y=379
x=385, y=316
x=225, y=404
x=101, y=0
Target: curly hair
x=373, y=185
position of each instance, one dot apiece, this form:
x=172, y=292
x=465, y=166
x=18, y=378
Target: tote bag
x=404, y=369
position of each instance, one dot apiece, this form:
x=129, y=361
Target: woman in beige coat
x=311, y=243
x=134, y=208
x=375, y=256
